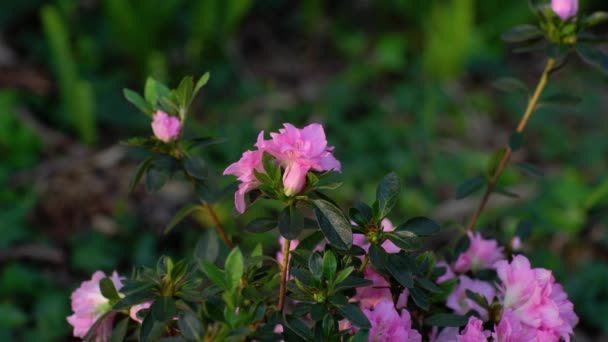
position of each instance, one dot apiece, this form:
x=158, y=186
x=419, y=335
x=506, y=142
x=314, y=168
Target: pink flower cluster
x=165, y=127
x=389, y=325
x=296, y=150
x=88, y=305
x=482, y=254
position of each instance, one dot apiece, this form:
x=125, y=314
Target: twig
x=532, y=103
x=218, y=224
x=284, y=267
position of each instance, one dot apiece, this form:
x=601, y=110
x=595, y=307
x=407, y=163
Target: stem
x=284, y=267
x=364, y=263
x=218, y=224
x=532, y=103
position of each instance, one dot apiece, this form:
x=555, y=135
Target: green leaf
x=330, y=265
x=559, y=101
x=404, y=239
x=214, y=274
x=343, y=274
x=530, y=169
x=163, y=309
x=136, y=298
x=524, y=230
x=137, y=101
x=352, y=282
x=156, y=178
x=557, y=51
x=510, y=84
x=419, y=298
x=181, y=215
x=261, y=225
x=378, y=257
x=428, y=285
x=446, y=320
x=315, y=264
x=593, y=56
x=141, y=169
x=291, y=222
x=516, y=141
x=334, y=225
x=150, y=91
x=494, y=161
x=522, y=33
x=272, y=169
x=234, y=268
x=462, y=244
x=360, y=336
x=207, y=246
x=195, y=167
x=595, y=18
x=477, y=298
x=470, y=186
x=190, y=326
x=387, y=194
x=201, y=83
x=421, y=226
x=119, y=331
x=354, y=314
x=447, y=287
x=203, y=142
x=107, y=289
x=184, y=92
x=402, y=275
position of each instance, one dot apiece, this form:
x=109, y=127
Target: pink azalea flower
x=389, y=247
x=565, y=8
x=390, y=326
x=243, y=170
x=461, y=304
x=89, y=305
x=474, y=332
x=447, y=334
x=137, y=308
x=510, y=329
x=449, y=274
x=379, y=291
x=516, y=243
x=481, y=254
x=165, y=127
x=532, y=297
x=299, y=151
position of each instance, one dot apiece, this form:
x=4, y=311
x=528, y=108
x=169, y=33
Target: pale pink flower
x=447, y=334
x=480, y=255
x=533, y=297
x=165, y=127
x=516, y=243
x=449, y=274
x=387, y=226
x=88, y=305
x=299, y=151
x=243, y=170
x=390, y=326
x=510, y=329
x=474, y=332
x=461, y=304
x=565, y=8
x=379, y=291
x=135, y=309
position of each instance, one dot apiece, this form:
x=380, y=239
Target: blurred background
x=403, y=85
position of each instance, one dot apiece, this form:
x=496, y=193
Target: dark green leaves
x=510, y=84
x=470, y=186
x=421, y=226
x=446, y=320
x=291, y=222
x=387, y=194
x=595, y=19
x=108, y=290
x=404, y=239
x=334, y=225
x=522, y=33
x=330, y=265
x=190, y=326
x=137, y=101
x=234, y=268
x=141, y=169
x=354, y=314
x=180, y=215
x=261, y=225
x=163, y=309
x=593, y=56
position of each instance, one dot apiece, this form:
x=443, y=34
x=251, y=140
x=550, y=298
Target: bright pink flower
x=533, y=297
x=89, y=304
x=135, y=309
x=474, y=332
x=389, y=326
x=449, y=274
x=565, y=8
x=299, y=151
x=243, y=170
x=379, y=291
x=389, y=247
x=510, y=329
x=461, y=304
x=481, y=254
x=165, y=127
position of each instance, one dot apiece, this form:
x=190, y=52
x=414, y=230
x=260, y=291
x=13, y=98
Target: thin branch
x=218, y=224
x=284, y=268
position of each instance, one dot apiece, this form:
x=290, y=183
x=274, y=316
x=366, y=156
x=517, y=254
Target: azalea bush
x=356, y=275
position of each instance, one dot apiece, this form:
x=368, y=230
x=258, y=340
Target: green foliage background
x=399, y=85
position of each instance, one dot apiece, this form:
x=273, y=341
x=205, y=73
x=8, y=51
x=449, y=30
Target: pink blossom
x=379, y=291
x=481, y=254
x=516, y=243
x=447, y=334
x=565, y=8
x=390, y=326
x=532, y=297
x=510, y=329
x=474, y=332
x=461, y=304
x=89, y=305
x=243, y=170
x=165, y=127
x=389, y=247
x=299, y=151
x=449, y=274
x=135, y=309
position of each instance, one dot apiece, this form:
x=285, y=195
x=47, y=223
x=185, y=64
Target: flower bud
x=294, y=179
x=165, y=127
x=565, y=9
